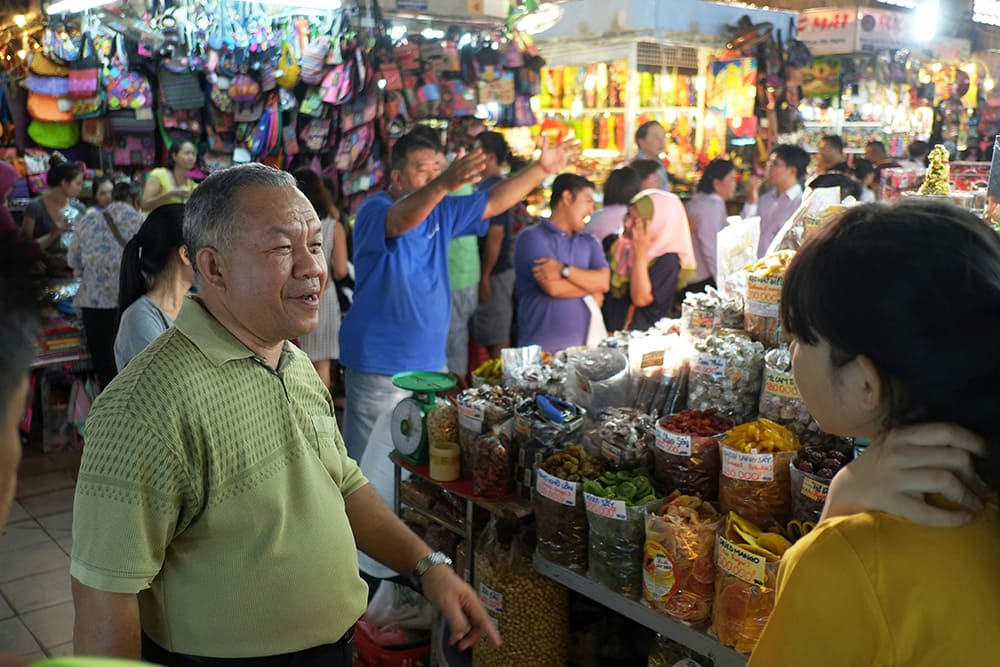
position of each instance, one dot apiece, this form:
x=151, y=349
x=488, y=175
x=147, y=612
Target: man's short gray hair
x=211, y=216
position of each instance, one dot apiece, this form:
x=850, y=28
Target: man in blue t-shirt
x=558, y=265
x=402, y=299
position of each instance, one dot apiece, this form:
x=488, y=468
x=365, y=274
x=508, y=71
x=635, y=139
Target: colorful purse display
x=85, y=73
x=125, y=89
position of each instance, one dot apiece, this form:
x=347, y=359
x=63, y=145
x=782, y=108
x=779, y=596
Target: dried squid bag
x=762, y=317
x=560, y=512
x=530, y=611
x=679, y=558
x=616, y=512
x=781, y=402
x=746, y=571
x=687, y=452
x=755, y=481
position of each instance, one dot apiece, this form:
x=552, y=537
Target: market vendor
x=215, y=492
x=785, y=170
x=401, y=311
x=557, y=268
x=651, y=260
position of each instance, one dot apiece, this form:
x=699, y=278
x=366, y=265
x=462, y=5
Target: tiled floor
x=36, y=608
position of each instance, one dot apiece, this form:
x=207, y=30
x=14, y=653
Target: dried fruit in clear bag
x=764, y=280
x=560, y=512
x=687, y=452
x=493, y=475
x=725, y=375
x=679, y=558
x=781, y=402
x=442, y=424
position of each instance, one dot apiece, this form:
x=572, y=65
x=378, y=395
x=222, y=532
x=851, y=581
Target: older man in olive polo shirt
x=217, y=515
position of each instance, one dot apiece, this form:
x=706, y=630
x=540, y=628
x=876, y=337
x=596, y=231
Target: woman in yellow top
x=894, y=315
x=170, y=184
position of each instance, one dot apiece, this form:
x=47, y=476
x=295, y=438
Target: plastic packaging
x=755, y=480
x=679, y=577
x=762, y=317
x=626, y=438
x=736, y=248
x=442, y=423
x=616, y=537
x=811, y=471
x=687, y=452
x=659, y=389
x=530, y=611
x=479, y=410
x=668, y=653
x=698, y=313
x=601, y=378
x=726, y=369
x=781, y=402
x=493, y=476
x=560, y=512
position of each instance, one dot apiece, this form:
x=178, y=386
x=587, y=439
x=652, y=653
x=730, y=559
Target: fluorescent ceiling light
x=534, y=17
x=75, y=6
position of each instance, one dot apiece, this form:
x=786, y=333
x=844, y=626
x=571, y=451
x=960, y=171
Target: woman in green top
x=170, y=184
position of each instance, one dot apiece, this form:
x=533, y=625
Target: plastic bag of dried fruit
x=679, y=558
x=560, y=513
x=781, y=402
x=746, y=560
x=530, y=611
x=755, y=475
x=764, y=280
x=687, y=452
x=812, y=470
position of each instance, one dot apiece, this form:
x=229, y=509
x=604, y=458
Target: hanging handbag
x=52, y=109
x=92, y=107
x=85, y=73
x=354, y=147
x=181, y=90
x=95, y=131
x=54, y=134
x=312, y=103
x=244, y=89
x=364, y=109
x=60, y=43
x=248, y=113
x=338, y=84
x=287, y=75
x=127, y=121
x=125, y=89
x=53, y=86
x=314, y=60
x=41, y=64
x=315, y=133
x=185, y=120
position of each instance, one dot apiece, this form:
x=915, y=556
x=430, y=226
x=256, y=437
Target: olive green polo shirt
x=213, y=486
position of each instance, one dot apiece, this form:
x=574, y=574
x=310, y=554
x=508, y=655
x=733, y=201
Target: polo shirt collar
x=208, y=335
x=793, y=192
x=546, y=223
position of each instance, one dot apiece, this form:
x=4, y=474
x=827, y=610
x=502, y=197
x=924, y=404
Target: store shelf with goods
x=441, y=521
x=585, y=110
x=691, y=637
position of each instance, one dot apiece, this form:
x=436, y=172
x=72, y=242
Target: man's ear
x=210, y=267
x=394, y=176
x=566, y=197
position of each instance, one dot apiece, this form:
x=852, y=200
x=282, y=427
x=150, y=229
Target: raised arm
x=553, y=159
x=410, y=210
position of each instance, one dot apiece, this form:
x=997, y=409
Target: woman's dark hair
x=716, y=170
x=621, y=186
x=862, y=168
x=848, y=186
x=126, y=191
x=312, y=186
x=175, y=150
x=645, y=168
x=149, y=252
x=99, y=181
x=915, y=288
x=61, y=171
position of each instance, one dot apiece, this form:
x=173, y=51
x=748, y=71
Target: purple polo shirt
x=554, y=324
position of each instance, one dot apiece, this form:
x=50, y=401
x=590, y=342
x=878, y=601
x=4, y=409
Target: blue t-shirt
x=552, y=323
x=402, y=298
x=505, y=262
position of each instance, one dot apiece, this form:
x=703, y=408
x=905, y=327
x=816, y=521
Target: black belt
x=339, y=654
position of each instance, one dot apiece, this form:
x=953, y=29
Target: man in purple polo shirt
x=785, y=170
x=556, y=266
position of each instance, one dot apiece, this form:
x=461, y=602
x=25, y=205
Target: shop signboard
x=952, y=49
x=830, y=30
x=884, y=29
x=412, y=5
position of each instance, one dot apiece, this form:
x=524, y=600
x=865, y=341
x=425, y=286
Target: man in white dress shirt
x=785, y=170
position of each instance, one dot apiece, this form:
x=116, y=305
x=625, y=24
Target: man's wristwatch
x=564, y=272
x=426, y=563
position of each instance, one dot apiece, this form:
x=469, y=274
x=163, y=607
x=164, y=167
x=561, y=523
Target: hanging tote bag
x=85, y=73
x=181, y=90
x=125, y=89
x=52, y=109
x=54, y=135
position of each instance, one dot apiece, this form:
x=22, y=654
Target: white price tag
x=747, y=467
x=673, y=443
x=606, y=507
x=470, y=418
x=555, y=489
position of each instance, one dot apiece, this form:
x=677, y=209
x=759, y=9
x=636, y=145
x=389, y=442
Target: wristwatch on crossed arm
x=565, y=271
x=426, y=563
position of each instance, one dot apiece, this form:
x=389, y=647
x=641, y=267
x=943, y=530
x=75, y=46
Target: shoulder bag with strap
x=114, y=229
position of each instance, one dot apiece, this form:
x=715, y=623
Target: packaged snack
x=755, y=480
x=781, y=403
x=679, y=558
x=601, y=378
x=729, y=313
x=812, y=470
x=560, y=513
x=698, y=313
x=687, y=452
x=626, y=437
x=746, y=560
x=616, y=509
x=725, y=375
x=530, y=611
x=479, y=410
x=442, y=423
x=762, y=317
x=493, y=476
x=668, y=653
